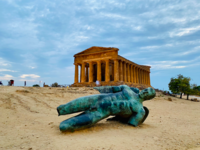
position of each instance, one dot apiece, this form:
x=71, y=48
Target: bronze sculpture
x=121, y=101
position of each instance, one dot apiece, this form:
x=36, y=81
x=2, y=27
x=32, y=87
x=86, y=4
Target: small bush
x=36, y=85
x=55, y=85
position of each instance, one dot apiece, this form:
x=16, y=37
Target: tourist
x=97, y=83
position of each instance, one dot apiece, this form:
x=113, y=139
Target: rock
x=50, y=123
x=195, y=100
x=169, y=99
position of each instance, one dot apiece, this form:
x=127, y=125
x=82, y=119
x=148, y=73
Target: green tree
x=55, y=85
x=174, y=85
x=185, y=86
x=196, y=88
x=191, y=91
x=180, y=85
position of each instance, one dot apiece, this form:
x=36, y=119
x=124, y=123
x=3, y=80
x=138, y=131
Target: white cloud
x=114, y=16
x=6, y=77
x=29, y=75
x=147, y=49
x=4, y=63
x=196, y=49
x=160, y=65
x=184, y=31
x=1, y=70
x=28, y=80
x=156, y=46
x=32, y=67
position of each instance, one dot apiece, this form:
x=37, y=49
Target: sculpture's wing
x=138, y=118
x=146, y=114
x=108, y=89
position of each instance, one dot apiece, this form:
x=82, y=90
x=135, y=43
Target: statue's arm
x=136, y=120
x=108, y=89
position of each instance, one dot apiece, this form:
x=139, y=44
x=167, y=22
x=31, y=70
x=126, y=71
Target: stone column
x=141, y=76
x=107, y=71
x=99, y=70
x=128, y=72
x=83, y=73
x=80, y=73
x=119, y=70
x=125, y=79
x=76, y=74
x=131, y=73
x=137, y=75
x=142, y=72
x=122, y=71
x=146, y=78
x=116, y=72
x=134, y=74
x=86, y=74
x=144, y=75
x=91, y=72
x=149, y=78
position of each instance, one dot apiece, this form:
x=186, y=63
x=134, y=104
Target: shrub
x=55, y=85
x=36, y=85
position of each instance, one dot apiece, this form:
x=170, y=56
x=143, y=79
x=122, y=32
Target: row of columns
x=134, y=74
x=123, y=71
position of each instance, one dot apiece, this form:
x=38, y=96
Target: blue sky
x=39, y=38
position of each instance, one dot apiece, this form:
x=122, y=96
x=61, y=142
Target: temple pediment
x=96, y=49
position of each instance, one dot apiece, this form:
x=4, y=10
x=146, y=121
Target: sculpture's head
x=147, y=94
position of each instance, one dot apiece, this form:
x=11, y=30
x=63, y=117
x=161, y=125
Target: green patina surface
x=121, y=101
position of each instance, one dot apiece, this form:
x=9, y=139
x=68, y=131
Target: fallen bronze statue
x=123, y=102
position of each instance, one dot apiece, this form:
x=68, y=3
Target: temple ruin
x=105, y=65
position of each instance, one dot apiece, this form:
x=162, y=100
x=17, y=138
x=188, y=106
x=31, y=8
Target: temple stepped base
x=111, y=83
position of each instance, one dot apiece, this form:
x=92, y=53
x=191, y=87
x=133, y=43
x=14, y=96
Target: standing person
x=24, y=83
x=97, y=83
x=1, y=83
x=11, y=82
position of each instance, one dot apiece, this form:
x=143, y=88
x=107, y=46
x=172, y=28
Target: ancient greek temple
x=105, y=65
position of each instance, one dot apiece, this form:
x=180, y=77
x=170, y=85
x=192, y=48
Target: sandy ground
x=29, y=120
